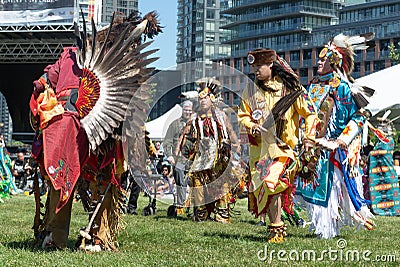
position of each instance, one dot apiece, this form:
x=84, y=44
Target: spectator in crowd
x=166, y=184
x=19, y=170
x=170, y=143
x=364, y=166
x=131, y=186
x=6, y=181
x=159, y=156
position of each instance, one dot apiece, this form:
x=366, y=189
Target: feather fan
x=114, y=68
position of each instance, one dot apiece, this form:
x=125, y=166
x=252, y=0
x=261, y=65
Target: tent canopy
x=386, y=84
x=387, y=93
x=157, y=128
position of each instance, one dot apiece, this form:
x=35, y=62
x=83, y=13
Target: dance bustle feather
x=209, y=86
x=346, y=45
x=114, y=68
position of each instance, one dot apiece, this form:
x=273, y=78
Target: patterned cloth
x=5, y=175
x=340, y=125
x=383, y=180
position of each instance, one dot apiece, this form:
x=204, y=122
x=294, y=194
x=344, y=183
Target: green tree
x=394, y=54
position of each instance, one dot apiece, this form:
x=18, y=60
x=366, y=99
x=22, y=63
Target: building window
x=210, y=37
x=367, y=67
x=303, y=72
x=379, y=65
x=236, y=99
x=211, y=3
x=294, y=55
x=210, y=50
x=357, y=67
x=210, y=26
x=227, y=97
x=210, y=14
x=237, y=63
x=384, y=44
x=307, y=54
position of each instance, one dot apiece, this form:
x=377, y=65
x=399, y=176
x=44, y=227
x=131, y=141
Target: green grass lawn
x=162, y=241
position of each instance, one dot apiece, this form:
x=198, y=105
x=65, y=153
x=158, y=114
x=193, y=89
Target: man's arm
x=307, y=110
x=235, y=143
x=171, y=135
x=183, y=138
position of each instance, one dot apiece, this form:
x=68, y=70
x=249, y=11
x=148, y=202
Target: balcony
x=370, y=56
x=280, y=47
x=304, y=81
x=355, y=74
x=262, y=32
x=244, y=4
x=284, y=12
x=295, y=63
x=377, y=17
x=319, y=11
x=307, y=62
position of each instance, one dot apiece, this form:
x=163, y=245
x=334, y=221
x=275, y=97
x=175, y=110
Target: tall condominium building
x=200, y=36
x=125, y=6
x=5, y=121
x=298, y=29
x=380, y=17
x=102, y=10
x=279, y=25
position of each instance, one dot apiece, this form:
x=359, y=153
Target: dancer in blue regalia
x=333, y=190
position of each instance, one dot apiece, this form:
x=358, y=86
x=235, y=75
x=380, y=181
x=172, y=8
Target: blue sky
x=166, y=41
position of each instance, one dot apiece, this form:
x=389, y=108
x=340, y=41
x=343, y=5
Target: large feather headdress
x=114, y=68
x=340, y=52
x=209, y=86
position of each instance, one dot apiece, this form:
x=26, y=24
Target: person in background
x=166, y=184
x=131, y=186
x=7, y=185
x=160, y=156
x=19, y=170
x=170, y=143
x=364, y=166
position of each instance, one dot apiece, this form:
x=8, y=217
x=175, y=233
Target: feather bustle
x=120, y=69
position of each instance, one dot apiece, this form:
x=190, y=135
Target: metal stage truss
x=34, y=43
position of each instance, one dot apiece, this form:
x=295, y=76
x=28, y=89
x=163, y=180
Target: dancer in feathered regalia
x=6, y=178
x=211, y=173
x=332, y=192
x=383, y=180
x=80, y=103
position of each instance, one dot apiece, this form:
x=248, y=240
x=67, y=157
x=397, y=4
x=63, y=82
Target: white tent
x=157, y=128
x=387, y=88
